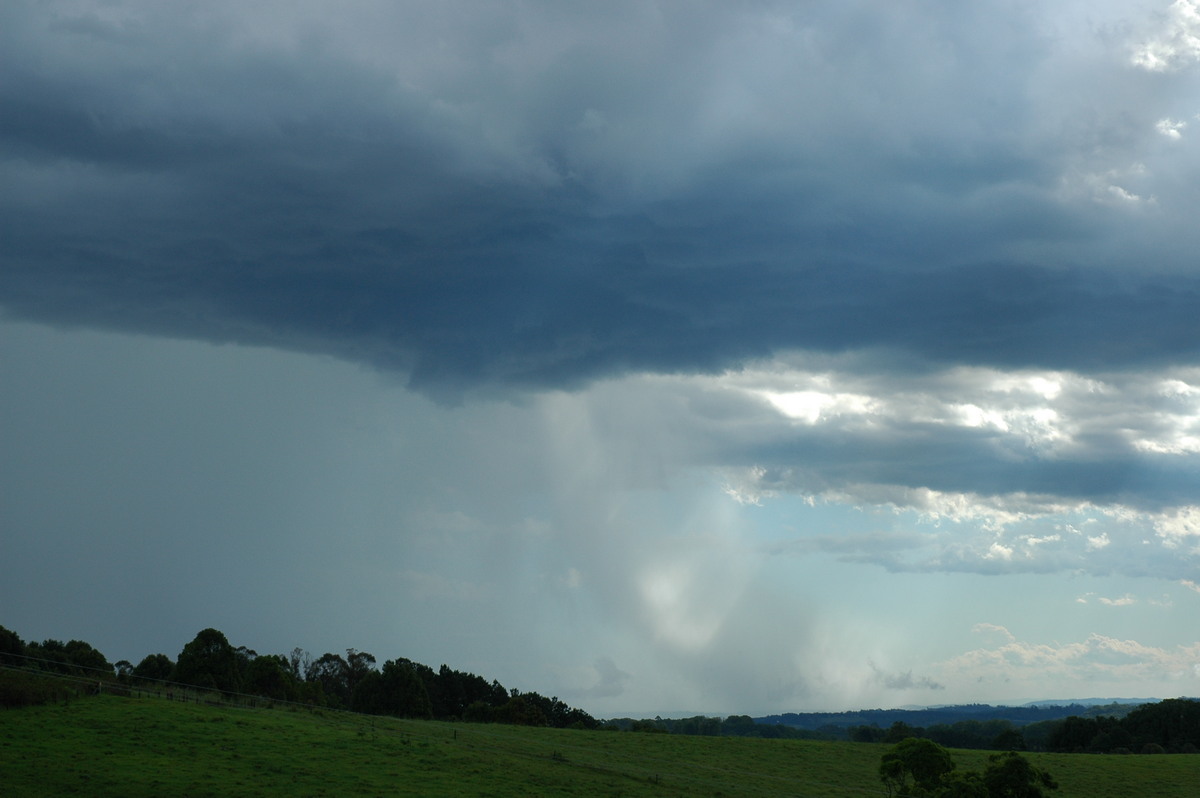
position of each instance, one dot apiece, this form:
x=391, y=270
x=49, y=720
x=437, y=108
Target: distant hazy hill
x=1090, y=702
x=1019, y=716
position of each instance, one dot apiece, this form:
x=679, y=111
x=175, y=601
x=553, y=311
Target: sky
x=665, y=357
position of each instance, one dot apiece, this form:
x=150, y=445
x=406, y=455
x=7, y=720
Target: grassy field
x=153, y=747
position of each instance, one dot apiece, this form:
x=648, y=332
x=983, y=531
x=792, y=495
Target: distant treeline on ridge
x=1170, y=726
x=929, y=716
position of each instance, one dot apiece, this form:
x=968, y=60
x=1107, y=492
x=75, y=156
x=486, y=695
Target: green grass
x=151, y=747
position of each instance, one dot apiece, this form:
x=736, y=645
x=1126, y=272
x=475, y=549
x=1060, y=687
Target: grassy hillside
x=151, y=747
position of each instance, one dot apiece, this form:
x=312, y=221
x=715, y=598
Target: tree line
x=705, y=726
x=1170, y=726
x=996, y=734
x=399, y=687
x=937, y=716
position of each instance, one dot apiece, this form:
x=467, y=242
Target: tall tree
x=331, y=672
x=358, y=665
x=270, y=676
x=395, y=690
x=86, y=657
x=299, y=661
x=11, y=647
x=154, y=667
x=209, y=661
x=123, y=669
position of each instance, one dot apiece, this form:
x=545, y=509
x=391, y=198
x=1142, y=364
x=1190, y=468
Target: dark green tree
x=914, y=767
x=1010, y=775
x=124, y=670
x=866, y=734
x=358, y=665
x=1173, y=724
x=270, y=676
x=447, y=696
x=900, y=731
x=48, y=655
x=11, y=647
x=87, y=658
x=739, y=726
x=1073, y=734
x=520, y=710
x=74, y=657
x=478, y=712
x=299, y=661
x=243, y=656
x=973, y=734
x=154, y=667
x=1009, y=740
x=209, y=661
x=921, y=768
x=331, y=672
x=394, y=690
x=962, y=784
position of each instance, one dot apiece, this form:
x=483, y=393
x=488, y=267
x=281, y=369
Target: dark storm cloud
x=541, y=199
x=967, y=461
